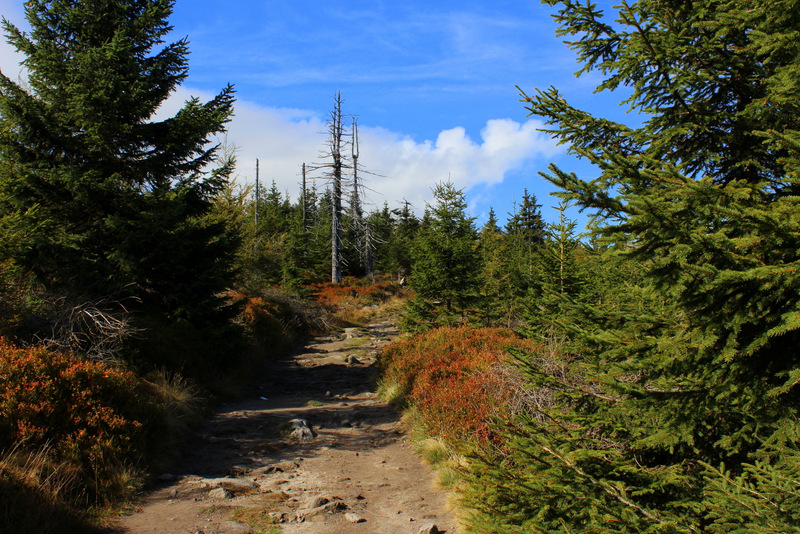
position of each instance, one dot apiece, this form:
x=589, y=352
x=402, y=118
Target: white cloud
x=283, y=139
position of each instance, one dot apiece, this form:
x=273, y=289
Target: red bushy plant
x=353, y=291
x=276, y=319
x=263, y=318
x=455, y=377
x=84, y=411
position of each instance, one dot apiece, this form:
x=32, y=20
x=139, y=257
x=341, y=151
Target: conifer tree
x=681, y=416
x=403, y=238
x=560, y=281
x=526, y=222
x=525, y=232
x=446, y=264
x=382, y=225
x=498, y=303
x=108, y=197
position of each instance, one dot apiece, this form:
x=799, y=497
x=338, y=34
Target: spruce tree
x=382, y=226
x=498, y=303
x=402, y=239
x=560, y=280
x=526, y=222
x=525, y=232
x=104, y=196
x=446, y=264
x=681, y=415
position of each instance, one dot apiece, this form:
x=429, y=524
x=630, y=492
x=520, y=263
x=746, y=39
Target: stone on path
x=301, y=430
x=429, y=529
x=220, y=493
x=354, y=518
x=232, y=484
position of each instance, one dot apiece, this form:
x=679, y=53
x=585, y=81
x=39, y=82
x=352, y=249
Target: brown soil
x=358, y=474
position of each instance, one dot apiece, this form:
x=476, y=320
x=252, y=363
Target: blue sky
x=432, y=85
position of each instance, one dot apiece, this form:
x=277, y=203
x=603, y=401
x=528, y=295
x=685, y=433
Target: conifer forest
x=639, y=375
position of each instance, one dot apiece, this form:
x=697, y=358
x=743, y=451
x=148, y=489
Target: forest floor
x=313, y=450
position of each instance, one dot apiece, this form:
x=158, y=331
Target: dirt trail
x=356, y=474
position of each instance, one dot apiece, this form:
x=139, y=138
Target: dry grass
x=257, y=519
x=360, y=314
x=39, y=495
x=183, y=406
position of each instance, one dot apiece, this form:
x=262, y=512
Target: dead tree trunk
x=304, y=201
x=336, y=134
x=360, y=225
x=255, y=211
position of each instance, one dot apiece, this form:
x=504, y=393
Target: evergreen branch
x=654, y=55
x=606, y=488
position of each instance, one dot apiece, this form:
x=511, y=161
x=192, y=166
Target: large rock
x=323, y=504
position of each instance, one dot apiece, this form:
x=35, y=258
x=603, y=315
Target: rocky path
x=315, y=451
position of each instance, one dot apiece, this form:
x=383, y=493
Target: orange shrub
x=452, y=376
x=84, y=411
x=353, y=291
x=274, y=320
x=263, y=319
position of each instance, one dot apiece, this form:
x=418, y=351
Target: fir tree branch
x=607, y=489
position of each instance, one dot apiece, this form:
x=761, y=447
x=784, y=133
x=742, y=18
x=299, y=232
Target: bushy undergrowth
x=36, y=494
x=85, y=411
x=76, y=435
x=459, y=379
x=355, y=300
x=277, y=319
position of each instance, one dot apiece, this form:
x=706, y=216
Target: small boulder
x=429, y=529
x=220, y=493
x=354, y=518
x=235, y=485
x=301, y=430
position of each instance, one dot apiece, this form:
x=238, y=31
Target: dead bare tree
x=334, y=170
x=336, y=140
x=361, y=226
x=338, y=163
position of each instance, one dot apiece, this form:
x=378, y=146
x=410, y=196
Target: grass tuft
x=39, y=494
x=257, y=519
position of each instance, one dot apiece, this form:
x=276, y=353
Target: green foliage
x=678, y=411
x=500, y=304
x=446, y=265
x=763, y=498
x=96, y=195
x=555, y=295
